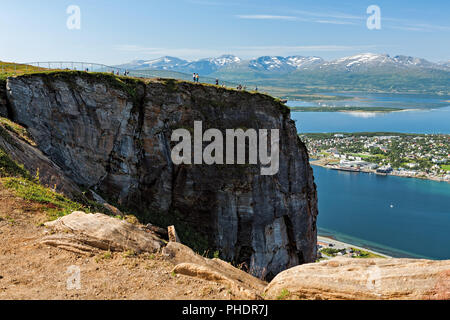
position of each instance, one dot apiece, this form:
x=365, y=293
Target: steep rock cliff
x=113, y=136
x=3, y=100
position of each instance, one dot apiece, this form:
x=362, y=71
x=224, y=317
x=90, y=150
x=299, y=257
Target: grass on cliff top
x=8, y=69
x=128, y=84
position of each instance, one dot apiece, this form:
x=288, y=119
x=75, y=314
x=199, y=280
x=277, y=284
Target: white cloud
x=187, y=53
x=333, y=15
x=421, y=27
x=243, y=51
x=406, y=28
x=274, y=50
x=265, y=17
x=335, y=22
x=338, y=19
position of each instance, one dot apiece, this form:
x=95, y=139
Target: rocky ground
x=29, y=270
x=32, y=267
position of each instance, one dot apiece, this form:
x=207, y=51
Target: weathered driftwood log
x=173, y=237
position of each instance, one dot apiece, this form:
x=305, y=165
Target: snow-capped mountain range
x=370, y=60
x=268, y=63
x=204, y=66
x=228, y=63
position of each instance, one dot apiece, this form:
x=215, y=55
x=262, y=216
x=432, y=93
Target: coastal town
x=405, y=155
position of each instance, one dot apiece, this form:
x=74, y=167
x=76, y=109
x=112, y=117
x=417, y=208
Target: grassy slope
x=8, y=69
x=15, y=177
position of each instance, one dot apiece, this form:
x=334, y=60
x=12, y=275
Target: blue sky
x=114, y=31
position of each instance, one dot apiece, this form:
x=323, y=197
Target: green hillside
x=317, y=81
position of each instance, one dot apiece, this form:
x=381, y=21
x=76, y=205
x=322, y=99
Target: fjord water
x=397, y=216
x=423, y=114
x=401, y=217
x=384, y=100
x=417, y=121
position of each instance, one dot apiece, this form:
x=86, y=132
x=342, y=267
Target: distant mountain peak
x=361, y=59
x=279, y=64
x=225, y=59
x=303, y=62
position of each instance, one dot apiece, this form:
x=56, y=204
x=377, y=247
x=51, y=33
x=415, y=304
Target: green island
x=329, y=248
x=319, y=97
x=350, y=252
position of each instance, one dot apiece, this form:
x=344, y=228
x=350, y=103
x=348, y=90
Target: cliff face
x=3, y=100
x=114, y=137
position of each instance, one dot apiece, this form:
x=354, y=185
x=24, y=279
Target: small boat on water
x=348, y=169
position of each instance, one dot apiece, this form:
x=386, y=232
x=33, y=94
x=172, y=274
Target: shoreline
x=320, y=163
x=371, y=110
x=337, y=243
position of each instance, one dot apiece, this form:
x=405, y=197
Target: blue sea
x=401, y=217
x=429, y=114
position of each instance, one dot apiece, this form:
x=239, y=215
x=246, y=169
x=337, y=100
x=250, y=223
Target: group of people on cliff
x=196, y=77
x=125, y=73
